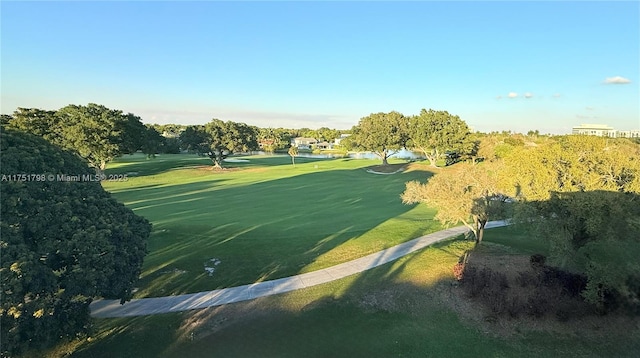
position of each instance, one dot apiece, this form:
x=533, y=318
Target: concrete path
x=156, y=305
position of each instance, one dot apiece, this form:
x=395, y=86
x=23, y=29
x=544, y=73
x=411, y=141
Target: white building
x=338, y=140
x=629, y=134
x=600, y=130
x=303, y=143
x=603, y=130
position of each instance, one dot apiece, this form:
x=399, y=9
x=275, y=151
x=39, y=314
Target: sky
x=499, y=65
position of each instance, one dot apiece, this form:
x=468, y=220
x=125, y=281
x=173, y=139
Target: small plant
x=537, y=261
x=458, y=271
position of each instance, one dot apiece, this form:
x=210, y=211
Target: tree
x=133, y=135
x=327, y=134
x=152, y=142
x=194, y=139
x=384, y=134
x=63, y=243
x=42, y=123
x=95, y=132
x=225, y=138
x=572, y=163
x=5, y=119
x=580, y=193
x=466, y=194
x=435, y=133
x=595, y=232
x=293, y=152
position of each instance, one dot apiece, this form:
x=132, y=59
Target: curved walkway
x=156, y=305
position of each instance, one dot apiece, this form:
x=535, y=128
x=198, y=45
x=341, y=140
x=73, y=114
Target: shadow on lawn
x=364, y=315
x=402, y=308
x=139, y=165
x=267, y=230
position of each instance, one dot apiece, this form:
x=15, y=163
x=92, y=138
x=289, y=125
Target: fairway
x=265, y=219
x=262, y=218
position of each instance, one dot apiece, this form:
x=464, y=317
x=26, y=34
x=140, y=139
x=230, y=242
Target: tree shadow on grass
x=397, y=309
x=138, y=165
x=271, y=229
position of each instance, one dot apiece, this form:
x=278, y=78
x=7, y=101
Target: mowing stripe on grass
x=157, y=305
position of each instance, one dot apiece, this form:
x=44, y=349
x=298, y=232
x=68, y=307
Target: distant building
x=338, y=140
x=603, y=130
x=629, y=134
x=303, y=143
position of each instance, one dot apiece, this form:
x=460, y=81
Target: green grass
x=271, y=220
x=265, y=221
x=397, y=309
x=517, y=240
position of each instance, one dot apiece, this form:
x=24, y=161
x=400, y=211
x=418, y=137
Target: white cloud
x=557, y=95
x=512, y=95
x=528, y=95
x=589, y=108
x=498, y=97
x=617, y=80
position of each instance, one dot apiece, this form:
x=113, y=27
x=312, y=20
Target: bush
x=458, y=271
x=537, y=305
x=515, y=306
x=488, y=286
x=570, y=283
x=537, y=261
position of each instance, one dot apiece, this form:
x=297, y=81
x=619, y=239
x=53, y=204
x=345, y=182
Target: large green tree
x=194, y=139
x=467, y=193
x=152, y=141
x=435, y=133
x=63, y=243
x=39, y=122
x=384, y=134
x=225, y=138
x=96, y=133
x=572, y=163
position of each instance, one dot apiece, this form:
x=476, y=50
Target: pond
x=403, y=154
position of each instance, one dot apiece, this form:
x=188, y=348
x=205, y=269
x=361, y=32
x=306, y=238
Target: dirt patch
x=515, y=267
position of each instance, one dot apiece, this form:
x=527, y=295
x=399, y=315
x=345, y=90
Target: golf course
x=262, y=218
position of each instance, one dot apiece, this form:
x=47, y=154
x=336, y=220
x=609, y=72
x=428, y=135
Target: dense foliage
x=96, y=133
x=437, y=133
x=579, y=193
x=381, y=133
x=595, y=232
x=64, y=241
x=218, y=139
x=468, y=194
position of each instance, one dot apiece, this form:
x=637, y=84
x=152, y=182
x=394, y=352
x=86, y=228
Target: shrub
x=537, y=261
x=458, y=271
x=537, y=305
x=515, y=306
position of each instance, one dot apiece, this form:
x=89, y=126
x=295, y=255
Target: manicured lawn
x=262, y=219
x=398, y=309
x=272, y=220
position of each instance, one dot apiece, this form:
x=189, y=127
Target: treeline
x=99, y=134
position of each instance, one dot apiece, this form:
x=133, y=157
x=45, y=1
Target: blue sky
x=498, y=65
